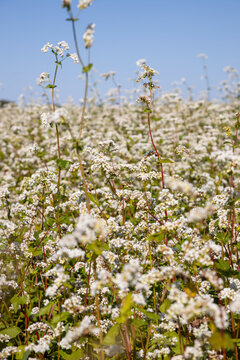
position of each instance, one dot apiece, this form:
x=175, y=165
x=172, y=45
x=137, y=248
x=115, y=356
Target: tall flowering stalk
x=88, y=41
x=147, y=101
x=59, y=52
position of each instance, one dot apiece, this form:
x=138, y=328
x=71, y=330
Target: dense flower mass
x=151, y=263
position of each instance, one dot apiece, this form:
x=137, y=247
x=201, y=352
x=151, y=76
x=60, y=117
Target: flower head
x=46, y=47
x=83, y=4
x=74, y=57
x=67, y=4
x=88, y=36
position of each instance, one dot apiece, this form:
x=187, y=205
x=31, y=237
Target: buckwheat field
x=119, y=220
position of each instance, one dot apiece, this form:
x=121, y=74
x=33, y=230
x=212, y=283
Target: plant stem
x=159, y=157
x=98, y=312
x=53, y=86
x=84, y=106
x=147, y=342
x=75, y=39
x=56, y=125
x=84, y=183
x=83, y=111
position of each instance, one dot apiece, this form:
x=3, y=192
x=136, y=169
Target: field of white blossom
x=119, y=223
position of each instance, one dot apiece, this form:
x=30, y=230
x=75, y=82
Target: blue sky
x=167, y=33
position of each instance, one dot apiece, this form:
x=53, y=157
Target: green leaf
x=63, y=164
x=139, y=322
x=17, y=300
x=149, y=314
x=64, y=220
x=26, y=355
x=125, y=311
x=35, y=251
x=147, y=111
x=93, y=199
x=219, y=341
x=232, y=201
x=224, y=237
x=110, y=338
x=46, y=309
x=87, y=68
x=157, y=237
x=224, y=268
x=1, y=155
x=41, y=154
x=76, y=355
x=50, y=221
x=165, y=305
x=165, y=161
x=72, y=19
x=177, y=349
x=222, y=265
x=50, y=86
x=98, y=247
x=12, y=332
x=60, y=317
x=20, y=352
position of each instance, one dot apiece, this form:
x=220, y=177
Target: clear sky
x=169, y=34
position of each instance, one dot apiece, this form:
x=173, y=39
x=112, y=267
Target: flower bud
x=67, y=4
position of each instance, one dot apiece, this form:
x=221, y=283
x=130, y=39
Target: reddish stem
x=159, y=157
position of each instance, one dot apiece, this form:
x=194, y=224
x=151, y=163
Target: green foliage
x=63, y=164
x=87, y=68
x=12, y=332
x=110, y=338
x=17, y=300
x=219, y=341
x=76, y=355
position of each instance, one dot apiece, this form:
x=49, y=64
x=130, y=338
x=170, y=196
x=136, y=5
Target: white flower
x=75, y=333
x=235, y=306
x=200, y=213
x=63, y=44
x=53, y=118
x=88, y=36
x=74, y=57
x=66, y=3
x=203, y=56
x=43, y=78
x=46, y=47
x=45, y=119
x=140, y=62
x=59, y=50
x=139, y=299
x=83, y=4
x=4, y=338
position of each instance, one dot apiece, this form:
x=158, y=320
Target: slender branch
x=57, y=132
x=159, y=157
x=75, y=40
x=53, y=86
x=83, y=111
x=84, y=106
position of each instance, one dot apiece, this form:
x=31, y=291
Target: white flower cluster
x=75, y=333
x=60, y=279
x=55, y=117
x=88, y=36
x=60, y=50
x=83, y=4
